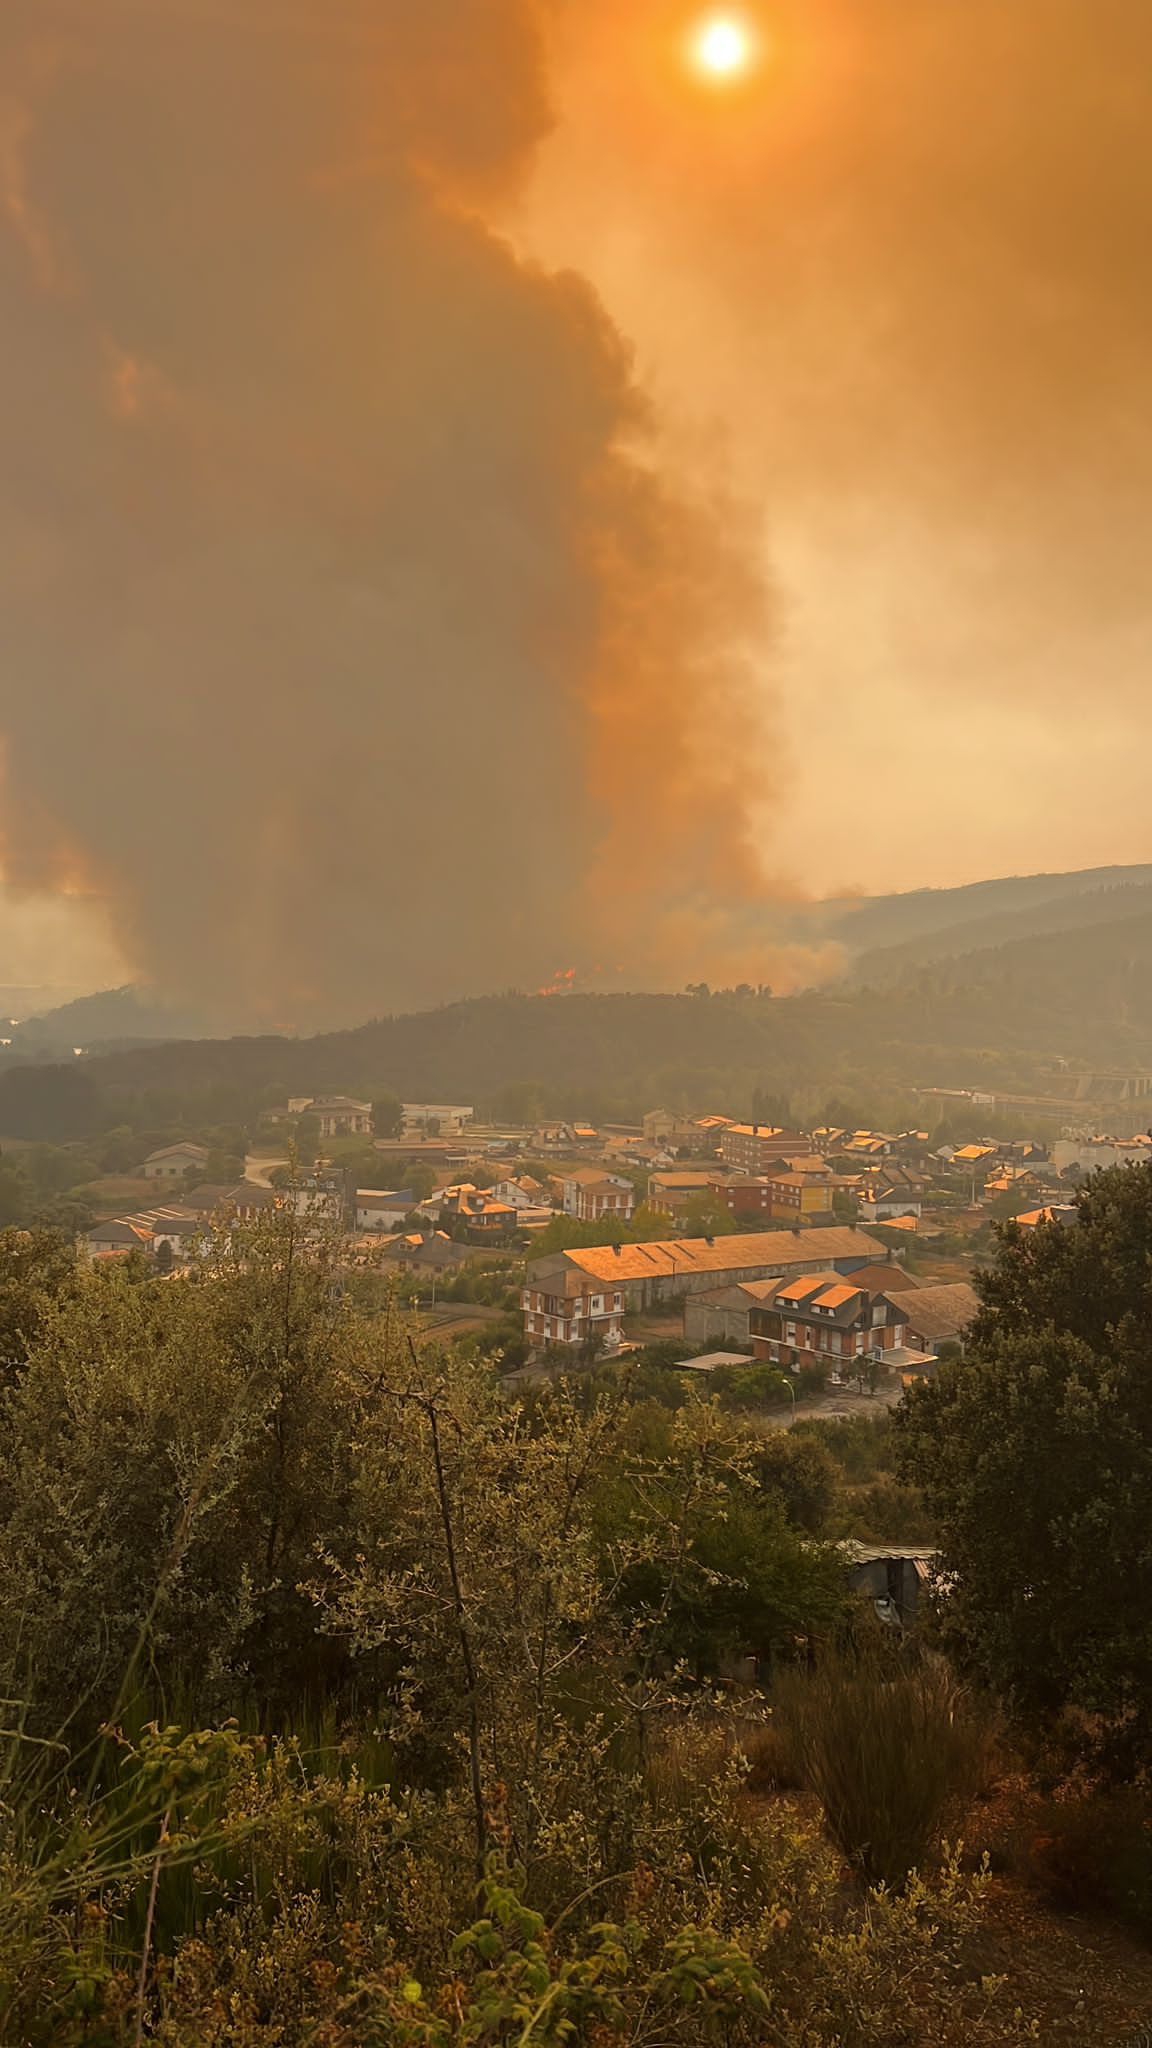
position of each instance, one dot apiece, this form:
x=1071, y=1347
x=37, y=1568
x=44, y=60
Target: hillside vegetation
x=1069, y=987
x=359, y=1698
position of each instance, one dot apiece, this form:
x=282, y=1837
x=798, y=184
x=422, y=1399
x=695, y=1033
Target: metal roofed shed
x=892, y=1575
x=713, y=1361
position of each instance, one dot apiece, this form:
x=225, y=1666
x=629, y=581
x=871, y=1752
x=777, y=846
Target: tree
x=220, y=1169
x=16, y=1198
x=307, y=1138
x=174, y=1458
x=707, y=1217
x=387, y=1116
x=37, y=1269
x=1035, y=1457
x=802, y=1475
x=52, y=1169
x=419, y=1180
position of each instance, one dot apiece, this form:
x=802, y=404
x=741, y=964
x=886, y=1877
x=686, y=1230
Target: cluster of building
x=828, y=1296
x=786, y=1209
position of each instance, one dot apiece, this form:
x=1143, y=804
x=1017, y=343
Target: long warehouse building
x=570, y=1296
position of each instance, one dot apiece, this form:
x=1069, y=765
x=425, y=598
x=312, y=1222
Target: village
x=834, y=1256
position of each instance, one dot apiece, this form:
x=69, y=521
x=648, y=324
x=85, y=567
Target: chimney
x=616, y=1249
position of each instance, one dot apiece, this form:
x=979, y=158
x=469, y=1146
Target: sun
x=723, y=47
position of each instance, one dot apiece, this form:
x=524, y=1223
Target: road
x=259, y=1167
x=840, y=1404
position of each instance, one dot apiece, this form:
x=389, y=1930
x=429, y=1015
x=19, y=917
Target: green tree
x=173, y=1458
x=37, y=1270
x=387, y=1116
x=307, y=1138
x=1034, y=1455
x=17, y=1200
x=418, y=1179
x=802, y=1475
x=706, y=1217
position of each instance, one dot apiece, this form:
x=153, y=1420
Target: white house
x=178, y=1228
x=524, y=1193
x=1093, y=1154
x=592, y=1195
x=888, y=1207
x=376, y=1209
x=341, y=1116
x=440, y=1119
x=173, y=1162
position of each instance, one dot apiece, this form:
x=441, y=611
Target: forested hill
x=512, y=1055
x=1079, y=913
x=1002, y=1018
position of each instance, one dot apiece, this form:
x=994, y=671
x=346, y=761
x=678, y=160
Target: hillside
x=1006, y=1019
x=1085, y=992
x=1018, y=987
x=887, y=966
x=866, y=924
x=114, y=1017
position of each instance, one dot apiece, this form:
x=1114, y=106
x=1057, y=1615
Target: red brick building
x=757, y=1148
x=827, y=1318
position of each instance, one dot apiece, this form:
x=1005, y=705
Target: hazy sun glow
x=723, y=47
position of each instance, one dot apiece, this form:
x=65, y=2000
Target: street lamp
x=787, y=1383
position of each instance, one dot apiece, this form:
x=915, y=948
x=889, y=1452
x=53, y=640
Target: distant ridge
x=115, y=1016
x=886, y=965
x=1064, y=993
x=866, y=924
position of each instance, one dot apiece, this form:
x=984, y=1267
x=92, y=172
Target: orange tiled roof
x=836, y=1297
x=667, y=1257
x=806, y=1287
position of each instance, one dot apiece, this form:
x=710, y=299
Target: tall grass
x=893, y=1748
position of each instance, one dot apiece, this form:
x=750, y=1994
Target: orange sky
x=339, y=514
x=898, y=286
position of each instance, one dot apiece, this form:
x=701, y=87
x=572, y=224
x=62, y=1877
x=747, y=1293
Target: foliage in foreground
x=458, y=1769
x=1035, y=1457
x=258, y=1902
x=893, y=1747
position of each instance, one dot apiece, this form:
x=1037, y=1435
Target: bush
x=892, y=1749
x=1095, y=1855
x=887, y=1512
x=772, y=1765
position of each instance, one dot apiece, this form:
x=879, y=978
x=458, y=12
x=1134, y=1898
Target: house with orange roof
x=833, y=1320
x=572, y=1295
x=1061, y=1213
x=593, y=1196
x=115, y=1239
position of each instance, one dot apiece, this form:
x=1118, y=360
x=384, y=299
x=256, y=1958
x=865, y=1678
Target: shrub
x=1095, y=1855
x=891, y=1748
x=772, y=1765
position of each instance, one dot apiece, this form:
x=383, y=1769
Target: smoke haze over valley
x=375, y=628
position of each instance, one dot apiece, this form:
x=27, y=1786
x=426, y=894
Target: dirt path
x=1083, y=1979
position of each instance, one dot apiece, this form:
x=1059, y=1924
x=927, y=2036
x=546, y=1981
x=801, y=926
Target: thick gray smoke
x=351, y=644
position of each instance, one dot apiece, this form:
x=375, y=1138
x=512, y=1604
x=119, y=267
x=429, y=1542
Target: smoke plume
x=907, y=268
x=354, y=648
